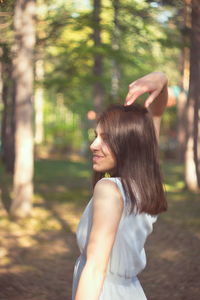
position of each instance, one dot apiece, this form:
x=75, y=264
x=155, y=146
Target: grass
x=182, y=203
x=66, y=185
x=34, y=246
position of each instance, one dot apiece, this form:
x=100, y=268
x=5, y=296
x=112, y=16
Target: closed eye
x=104, y=136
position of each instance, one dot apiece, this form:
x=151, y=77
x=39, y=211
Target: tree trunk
x=1, y=73
x=185, y=72
x=38, y=99
x=24, y=28
x=115, y=47
x=8, y=114
x=97, y=69
x=193, y=139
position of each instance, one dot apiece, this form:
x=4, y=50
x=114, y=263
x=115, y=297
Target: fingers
x=133, y=94
x=151, y=98
x=151, y=83
x=131, y=97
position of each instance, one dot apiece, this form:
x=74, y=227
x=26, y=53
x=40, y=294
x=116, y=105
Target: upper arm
x=157, y=108
x=156, y=122
x=107, y=212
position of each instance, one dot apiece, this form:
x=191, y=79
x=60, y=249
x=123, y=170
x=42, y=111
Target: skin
x=107, y=211
x=155, y=84
x=107, y=199
x=103, y=159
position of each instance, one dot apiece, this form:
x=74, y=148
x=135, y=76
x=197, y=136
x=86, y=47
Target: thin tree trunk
x=97, y=69
x=193, y=141
x=195, y=69
x=8, y=114
x=115, y=47
x=1, y=73
x=24, y=27
x=38, y=99
x=185, y=72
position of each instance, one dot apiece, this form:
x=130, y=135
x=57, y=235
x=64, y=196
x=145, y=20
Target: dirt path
x=173, y=269
x=37, y=255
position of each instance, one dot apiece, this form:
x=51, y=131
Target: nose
x=95, y=145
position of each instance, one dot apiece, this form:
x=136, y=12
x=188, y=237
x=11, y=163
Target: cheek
x=109, y=155
x=106, y=150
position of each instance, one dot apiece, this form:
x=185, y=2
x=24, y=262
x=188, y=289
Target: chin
x=100, y=170
x=96, y=169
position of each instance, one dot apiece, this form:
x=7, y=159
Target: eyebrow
x=101, y=134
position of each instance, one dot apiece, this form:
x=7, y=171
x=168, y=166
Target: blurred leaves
x=148, y=37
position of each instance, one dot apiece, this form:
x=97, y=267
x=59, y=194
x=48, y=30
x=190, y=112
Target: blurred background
x=61, y=64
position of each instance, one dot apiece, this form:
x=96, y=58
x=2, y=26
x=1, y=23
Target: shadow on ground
x=37, y=254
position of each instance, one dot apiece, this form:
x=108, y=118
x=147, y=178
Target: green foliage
x=148, y=38
x=7, y=5
x=69, y=59
x=61, y=125
x=6, y=22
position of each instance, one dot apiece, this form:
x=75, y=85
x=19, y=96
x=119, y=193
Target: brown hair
x=130, y=134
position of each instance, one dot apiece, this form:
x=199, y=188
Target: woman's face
x=103, y=159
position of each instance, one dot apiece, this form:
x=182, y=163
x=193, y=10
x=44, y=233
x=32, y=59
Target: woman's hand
x=153, y=83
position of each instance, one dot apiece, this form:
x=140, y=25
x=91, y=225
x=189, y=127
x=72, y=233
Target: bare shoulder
x=107, y=187
x=107, y=191
x=106, y=216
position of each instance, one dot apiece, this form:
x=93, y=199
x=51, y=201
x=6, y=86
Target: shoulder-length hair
x=130, y=135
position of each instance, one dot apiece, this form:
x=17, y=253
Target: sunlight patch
x=170, y=255
x=177, y=186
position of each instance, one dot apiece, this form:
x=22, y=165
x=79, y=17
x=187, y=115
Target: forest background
x=62, y=63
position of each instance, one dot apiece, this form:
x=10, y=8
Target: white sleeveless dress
x=127, y=257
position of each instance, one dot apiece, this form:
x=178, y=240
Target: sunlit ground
x=37, y=254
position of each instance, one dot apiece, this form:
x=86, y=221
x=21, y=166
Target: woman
x=119, y=217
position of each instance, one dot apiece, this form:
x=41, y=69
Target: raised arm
x=107, y=211
x=156, y=85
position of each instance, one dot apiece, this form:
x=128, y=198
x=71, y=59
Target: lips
x=97, y=157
